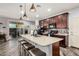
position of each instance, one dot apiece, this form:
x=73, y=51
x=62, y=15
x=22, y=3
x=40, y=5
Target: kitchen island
x=50, y=45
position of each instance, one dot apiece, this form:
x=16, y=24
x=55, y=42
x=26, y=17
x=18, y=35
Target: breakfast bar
x=50, y=45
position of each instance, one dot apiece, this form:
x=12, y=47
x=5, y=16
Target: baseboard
x=75, y=47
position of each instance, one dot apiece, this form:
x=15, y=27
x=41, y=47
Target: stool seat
x=37, y=52
x=28, y=46
x=23, y=41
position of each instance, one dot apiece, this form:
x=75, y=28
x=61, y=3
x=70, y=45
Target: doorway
x=15, y=29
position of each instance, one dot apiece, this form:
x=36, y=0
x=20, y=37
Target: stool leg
x=26, y=53
x=19, y=48
x=30, y=54
x=23, y=51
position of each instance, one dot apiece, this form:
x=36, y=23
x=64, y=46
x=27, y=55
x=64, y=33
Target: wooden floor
x=10, y=48
x=70, y=51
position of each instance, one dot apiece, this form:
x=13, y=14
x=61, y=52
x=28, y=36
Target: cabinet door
x=61, y=21
x=74, y=32
x=51, y=21
x=41, y=23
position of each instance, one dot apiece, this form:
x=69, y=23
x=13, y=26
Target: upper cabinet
x=44, y=23
x=61, y=21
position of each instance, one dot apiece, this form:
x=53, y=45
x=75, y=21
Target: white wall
x=74, y=27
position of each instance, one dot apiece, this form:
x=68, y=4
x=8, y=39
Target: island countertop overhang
x=41, y=40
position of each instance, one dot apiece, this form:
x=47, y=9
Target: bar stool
x=26, y=48
x=36, y=52
x=21, y=41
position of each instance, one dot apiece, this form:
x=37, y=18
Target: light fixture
x=21, y=9
x=33, y=9
x=25, y=15
x=21, y=13
x=49, y=10
x=20, y=18
x=37, y=16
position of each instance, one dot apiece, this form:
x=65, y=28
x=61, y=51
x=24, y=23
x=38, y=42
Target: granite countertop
x=41, y=40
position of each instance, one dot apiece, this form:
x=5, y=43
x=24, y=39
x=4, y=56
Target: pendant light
x=25, y=15
x=20, y=18
x=33, y=9
x=21, y=12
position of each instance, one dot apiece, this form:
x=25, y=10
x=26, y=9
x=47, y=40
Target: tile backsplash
x=63, y=31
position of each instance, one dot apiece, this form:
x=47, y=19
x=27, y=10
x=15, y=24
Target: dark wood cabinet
x=41, y=23
x=56, y=49
x=64, y=42
x=60, y=20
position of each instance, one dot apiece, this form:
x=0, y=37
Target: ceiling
x=12, y=10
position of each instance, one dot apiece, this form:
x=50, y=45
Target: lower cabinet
x=56, y=49
x=64, y=42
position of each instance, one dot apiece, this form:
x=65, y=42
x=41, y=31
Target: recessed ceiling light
x=49, y=9
x=37, y=16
